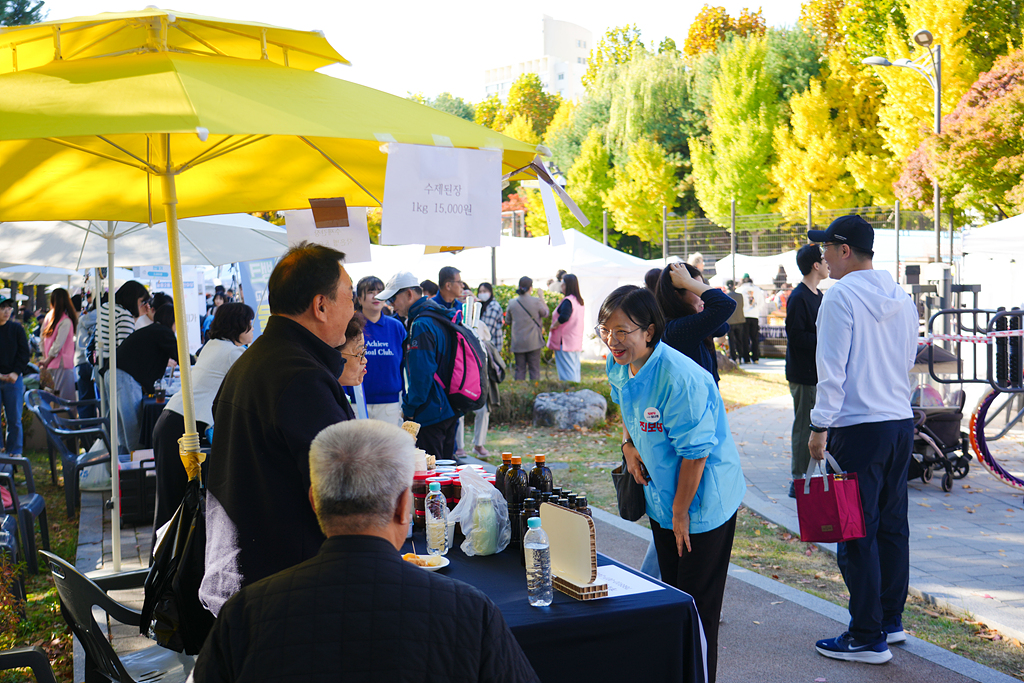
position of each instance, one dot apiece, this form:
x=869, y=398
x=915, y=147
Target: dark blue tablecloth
x=649, y=637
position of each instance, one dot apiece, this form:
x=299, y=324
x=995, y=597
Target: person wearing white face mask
x=492, y=316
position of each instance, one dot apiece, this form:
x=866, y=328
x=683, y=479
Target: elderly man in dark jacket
x=275, y=399
x=357, y=611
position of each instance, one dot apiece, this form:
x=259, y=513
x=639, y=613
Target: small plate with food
x=429, y=562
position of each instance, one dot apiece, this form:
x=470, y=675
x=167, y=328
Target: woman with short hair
x=677, y=444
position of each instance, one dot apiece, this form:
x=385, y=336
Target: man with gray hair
x=357, y=611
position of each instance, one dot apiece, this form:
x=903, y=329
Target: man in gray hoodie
x=867, y=340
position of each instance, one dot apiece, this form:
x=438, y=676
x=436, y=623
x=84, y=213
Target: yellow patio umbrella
x=119, y=33
x=109, y=137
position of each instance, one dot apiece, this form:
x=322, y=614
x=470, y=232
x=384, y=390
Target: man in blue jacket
x=427, y=355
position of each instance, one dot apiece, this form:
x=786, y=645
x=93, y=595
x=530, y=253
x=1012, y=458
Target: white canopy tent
x=994, y=259
x=40, y=275
x=600, y=269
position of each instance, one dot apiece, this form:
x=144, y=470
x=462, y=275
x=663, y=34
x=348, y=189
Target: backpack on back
x=464, y=377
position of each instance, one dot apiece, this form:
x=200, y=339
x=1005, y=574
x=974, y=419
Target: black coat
x=13, y=348
x=274, y=401
x=358, y=612
x=802, y=335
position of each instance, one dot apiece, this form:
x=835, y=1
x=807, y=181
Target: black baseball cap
x=852, y=230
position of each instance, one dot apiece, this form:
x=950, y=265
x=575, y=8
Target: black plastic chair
x=29, y=658
x=61, y=430
x=29, y=507
x=78, y=595
x=61, y=407
x=9, y=535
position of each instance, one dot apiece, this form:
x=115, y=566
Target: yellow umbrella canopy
x=116, y=135
x=83, y=139
x=153, y=30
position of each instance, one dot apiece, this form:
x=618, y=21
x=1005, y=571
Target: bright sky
x=432, y=46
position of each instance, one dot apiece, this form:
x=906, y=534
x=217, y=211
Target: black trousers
x=170, y=472
x=876, y=568
x=753, y=328
x=86, y=390
x=701, y=572
x=438, y=439
x=738, y=342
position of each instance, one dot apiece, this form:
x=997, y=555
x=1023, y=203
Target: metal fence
x=772, y=233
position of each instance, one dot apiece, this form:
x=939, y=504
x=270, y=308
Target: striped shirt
x=124, y=321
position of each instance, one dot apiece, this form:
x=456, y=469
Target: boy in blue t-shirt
x=383, y=385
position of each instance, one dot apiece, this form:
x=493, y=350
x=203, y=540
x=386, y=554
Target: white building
x=559, y=58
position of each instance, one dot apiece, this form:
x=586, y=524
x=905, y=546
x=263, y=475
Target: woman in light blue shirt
x=677, y=443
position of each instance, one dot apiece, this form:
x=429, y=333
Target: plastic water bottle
x=538, y=564
x=436, y=513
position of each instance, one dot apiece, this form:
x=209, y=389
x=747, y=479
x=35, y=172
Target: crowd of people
x=286, y=452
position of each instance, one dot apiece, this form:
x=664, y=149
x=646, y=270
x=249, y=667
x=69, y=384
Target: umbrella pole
x=189, y=443
x=115, y=462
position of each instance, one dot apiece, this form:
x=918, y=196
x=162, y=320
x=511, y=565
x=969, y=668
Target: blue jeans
x=13, y=398
x=568, y=365
x=876, y=568
x=86, y=390
x=129, y=414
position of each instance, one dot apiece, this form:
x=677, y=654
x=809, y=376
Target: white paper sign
x=190, y=283
x=555, y=235
x=442, y=195
x=353, y=241
x=621, y=582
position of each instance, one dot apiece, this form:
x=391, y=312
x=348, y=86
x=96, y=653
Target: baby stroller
x=939, y=443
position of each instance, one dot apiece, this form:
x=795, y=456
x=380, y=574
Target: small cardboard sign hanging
x=330, y=213
x=442, y=195
x=353, y=241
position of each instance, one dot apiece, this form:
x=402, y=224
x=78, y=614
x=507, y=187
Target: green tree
x=737, y=157
x=821, y=17
x=523, y=129
x=642, y=187
x=618, y=46
x=487, y=112
x=713, y=24
x=668, y=45
x=995, y=28
x=588, y=181
x=863, y=24
x=559, y=130
x=651, y=97
x=456, y=106
x=979, y=157
x=21, y=12
x=526, y=98
x=592, y=111
x=833, y=125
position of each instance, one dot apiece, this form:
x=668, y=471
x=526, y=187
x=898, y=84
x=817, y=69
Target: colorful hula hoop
x=980, y=447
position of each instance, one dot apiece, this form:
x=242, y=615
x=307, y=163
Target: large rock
x=584, y=408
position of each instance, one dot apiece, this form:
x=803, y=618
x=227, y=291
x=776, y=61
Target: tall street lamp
x=933, y=58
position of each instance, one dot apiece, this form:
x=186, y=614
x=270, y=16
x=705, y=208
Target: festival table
x=652, y=636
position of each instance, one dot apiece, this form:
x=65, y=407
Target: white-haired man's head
x=697, y=260
x=359, y=471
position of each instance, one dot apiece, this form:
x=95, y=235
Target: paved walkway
x=966, y=546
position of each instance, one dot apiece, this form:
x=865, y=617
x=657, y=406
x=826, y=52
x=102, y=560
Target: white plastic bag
x=483, y=514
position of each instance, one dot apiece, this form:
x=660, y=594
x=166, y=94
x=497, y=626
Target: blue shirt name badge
x=652, y=421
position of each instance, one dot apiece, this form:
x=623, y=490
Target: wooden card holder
x=573, y=552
